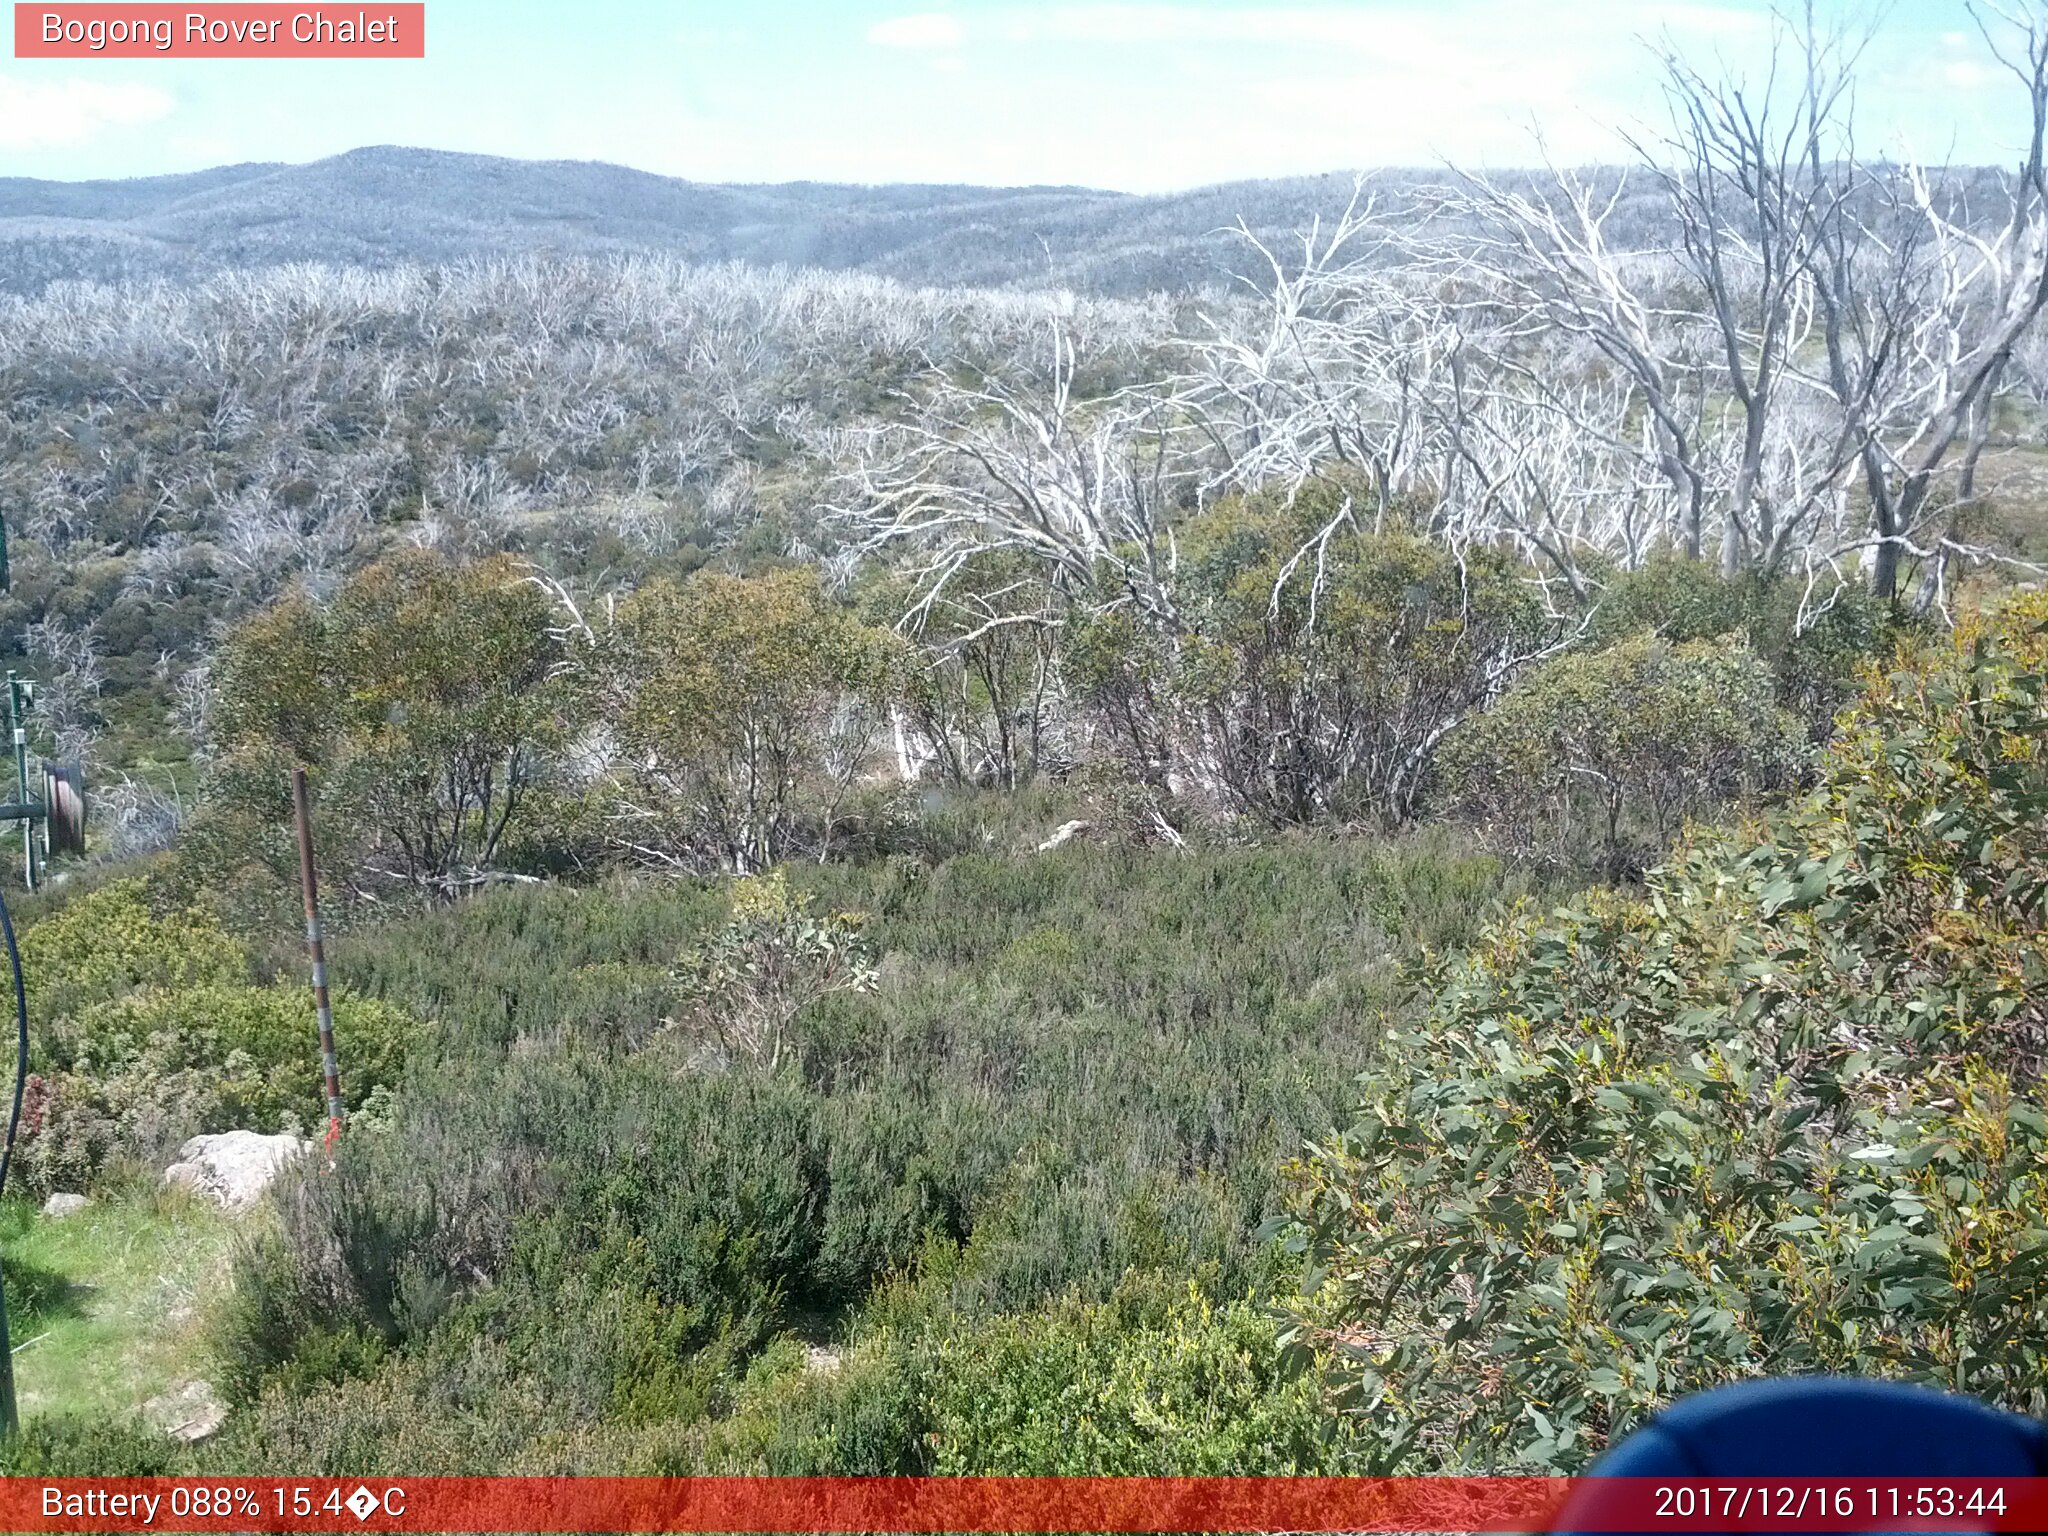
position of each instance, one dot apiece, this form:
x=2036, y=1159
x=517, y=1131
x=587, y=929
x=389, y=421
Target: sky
x=1140, y=97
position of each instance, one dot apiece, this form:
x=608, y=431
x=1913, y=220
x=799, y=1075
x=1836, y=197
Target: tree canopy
x=424, y=701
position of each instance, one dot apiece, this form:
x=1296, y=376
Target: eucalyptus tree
x=1815, y=346
x=743, y=712
x=426, y=696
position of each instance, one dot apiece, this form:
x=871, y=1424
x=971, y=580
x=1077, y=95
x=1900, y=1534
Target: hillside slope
x=380, y=206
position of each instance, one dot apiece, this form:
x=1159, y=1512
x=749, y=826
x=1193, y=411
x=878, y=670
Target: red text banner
x=846, y=1504
x=233, y=31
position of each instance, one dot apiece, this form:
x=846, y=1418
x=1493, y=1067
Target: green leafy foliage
x=748, y=984
x=1145, y=1383
x=114, y=940
x=425, y=699
x=1778, y=1114
x=1614, y=749
x=1070, y=1070
x=148, y=1030
x=1312, y=664
x=748, y=709
x=1156, y=1378
x=1812, y=640
x=71, y=1446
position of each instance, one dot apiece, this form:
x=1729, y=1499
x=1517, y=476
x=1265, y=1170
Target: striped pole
x=21, y=694
x=321, y=1007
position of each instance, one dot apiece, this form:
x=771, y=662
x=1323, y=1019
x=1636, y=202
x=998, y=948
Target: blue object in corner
x=1824, y=1426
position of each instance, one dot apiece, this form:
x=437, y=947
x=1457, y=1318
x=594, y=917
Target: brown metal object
x=63, y=807
x=322, y=1009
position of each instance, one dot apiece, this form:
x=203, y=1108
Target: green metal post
x=10, y=1415
x=19, y=696
x=10, y=1418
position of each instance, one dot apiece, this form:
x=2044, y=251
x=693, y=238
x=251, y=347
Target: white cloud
x=926, y=29
x=1710, y=20
x=1186, y=24
x=1290, y=87
x=50, y=114
x=1367, y=31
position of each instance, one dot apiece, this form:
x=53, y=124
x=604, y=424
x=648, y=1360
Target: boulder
x=234, y=1167
x=189, y=1412
x=1064, y=834
x=821, y=1359
x=60, y=1205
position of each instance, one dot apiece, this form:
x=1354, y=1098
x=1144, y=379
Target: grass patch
x=105, y=1306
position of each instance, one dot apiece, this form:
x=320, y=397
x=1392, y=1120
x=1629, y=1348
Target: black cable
x=10, y=1422
x=21, y=1048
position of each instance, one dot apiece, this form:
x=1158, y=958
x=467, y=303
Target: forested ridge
x=385, y=206
x=1379, y=869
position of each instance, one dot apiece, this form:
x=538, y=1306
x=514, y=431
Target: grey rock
x=1063, y=834
x=189, y=1412
x=233, y=1168
x=821, y=1359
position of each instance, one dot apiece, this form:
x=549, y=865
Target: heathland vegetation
x=1384, y=875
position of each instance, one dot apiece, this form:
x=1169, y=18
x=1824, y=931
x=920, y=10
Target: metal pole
x=10, y=1416
x=321, y=1008
x=16, y=712
x=10, y=1419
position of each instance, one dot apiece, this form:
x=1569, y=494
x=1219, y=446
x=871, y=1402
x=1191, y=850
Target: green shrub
x=860, y=1413
x=259, y=1046
x=1148, y=1383
x=273, y=1328
x=426, y=699
x=148, y=1032
x=1780, y=1114
x=623, y=1232
x=1311, y=665
x=1157, y=1379
x=748, y=709
x=554, y=1178
x=440, y=1415
x=1613, y=750
x=1812, y=638
x=534, y=966
x=59, y=1445
x=747, y=985
x=108, y=944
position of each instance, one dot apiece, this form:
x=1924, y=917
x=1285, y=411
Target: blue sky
x=1137, y=96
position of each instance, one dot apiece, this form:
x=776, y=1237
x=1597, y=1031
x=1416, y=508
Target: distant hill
x=382, y=206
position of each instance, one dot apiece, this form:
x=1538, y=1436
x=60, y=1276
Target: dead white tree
x=1333, y=363
x=68, y=662
x=1986, y=290
x=1556, y=471
x=1809, y=319
x=1023, y=466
